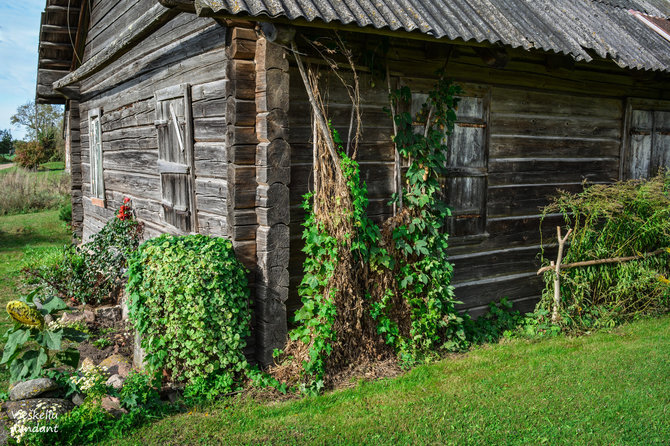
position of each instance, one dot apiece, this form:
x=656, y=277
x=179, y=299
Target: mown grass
x=20, y=236
x=609, y=388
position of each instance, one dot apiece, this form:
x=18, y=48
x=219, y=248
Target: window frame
x=95, y=158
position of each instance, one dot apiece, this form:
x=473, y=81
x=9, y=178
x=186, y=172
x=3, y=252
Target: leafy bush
x=31, y=154
x=94, y=271
x=619, y=220
x=500, y=321
x=189, y=301
x=65, y=212
x=22, y=191
x=32, y=345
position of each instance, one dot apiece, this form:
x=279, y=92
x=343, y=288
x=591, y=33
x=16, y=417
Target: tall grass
x=23, y=191
x=619, y=220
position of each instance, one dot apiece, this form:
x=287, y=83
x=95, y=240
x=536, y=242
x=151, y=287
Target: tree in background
x=38, y=118
x=6, y=142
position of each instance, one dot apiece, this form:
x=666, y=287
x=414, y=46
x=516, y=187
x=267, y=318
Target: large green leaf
x=29, y=365
x=28, y=298
x=74, y=335
x=53, y=304
x=14, y=340
x=51, y=340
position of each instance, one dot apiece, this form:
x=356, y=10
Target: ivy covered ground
x=608, y=388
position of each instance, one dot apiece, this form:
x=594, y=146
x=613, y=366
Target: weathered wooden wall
x=188, y=50
x=537, y=124
x=550, y=125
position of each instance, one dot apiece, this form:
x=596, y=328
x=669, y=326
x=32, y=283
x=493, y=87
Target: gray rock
x=115, y=381
x=32, y=388
x=86, y=316
x=78, y=399
x=47, y=408
x=112, y=405
x=109, y=313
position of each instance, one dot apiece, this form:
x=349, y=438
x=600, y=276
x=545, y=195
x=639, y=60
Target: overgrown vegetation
x=22, y=191
x=625, y=219
x=189, y=301
x=416, y=236
x=36, y=341
x=94, y=271
x=368, y=294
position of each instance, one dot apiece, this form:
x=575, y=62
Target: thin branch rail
x=604, y=261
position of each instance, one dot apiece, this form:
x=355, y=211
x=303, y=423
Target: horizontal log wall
x=549, y=128
x=186, y=50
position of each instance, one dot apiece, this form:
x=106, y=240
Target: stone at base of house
x=86, y=316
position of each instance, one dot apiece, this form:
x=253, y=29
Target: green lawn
x=605, y=389
x=50, y=169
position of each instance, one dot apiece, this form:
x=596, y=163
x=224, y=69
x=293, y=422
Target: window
x=95, y=157
x=175, y=156
x=649, y=142
x=465, y=184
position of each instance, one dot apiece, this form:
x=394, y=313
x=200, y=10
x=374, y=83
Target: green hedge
x=189, y=300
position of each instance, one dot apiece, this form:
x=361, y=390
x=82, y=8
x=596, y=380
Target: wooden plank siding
x=530, y=127
x=548, y=129
x=187, y=51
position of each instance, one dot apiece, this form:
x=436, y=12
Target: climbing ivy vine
x=422, y=270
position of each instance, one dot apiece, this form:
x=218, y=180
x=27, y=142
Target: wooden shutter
x=660, y=150
x=465, y=184
x=649, y=143
x=641, y=130
x=174, y=126
x=467, y=169
x=95, y=154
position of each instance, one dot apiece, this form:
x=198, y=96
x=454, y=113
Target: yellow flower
x=24, y=314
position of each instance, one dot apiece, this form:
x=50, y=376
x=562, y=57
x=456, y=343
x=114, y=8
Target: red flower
x=124, y=211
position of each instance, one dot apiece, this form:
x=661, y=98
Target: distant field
x=24, y=191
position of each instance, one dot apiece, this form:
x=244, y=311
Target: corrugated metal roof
x=573, y=27
x=656, y=8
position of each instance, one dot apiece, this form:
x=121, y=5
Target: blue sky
x=19, y=35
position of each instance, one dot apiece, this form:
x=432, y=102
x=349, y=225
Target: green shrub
x=188, y=299
x=500, y=321
x=619, y=220
x=31, y=154
x=92, y=272
x=65, y=212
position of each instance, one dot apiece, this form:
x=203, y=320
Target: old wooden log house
x=196, y=111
